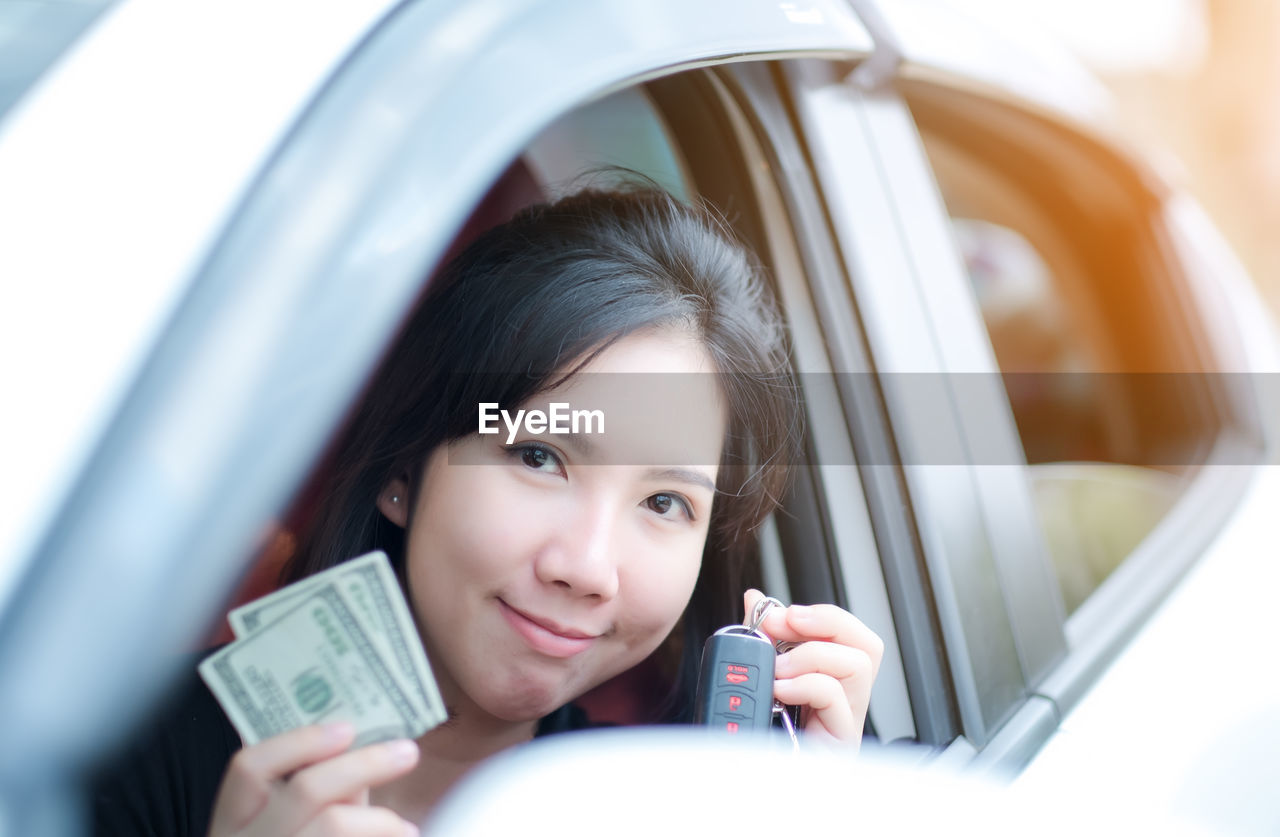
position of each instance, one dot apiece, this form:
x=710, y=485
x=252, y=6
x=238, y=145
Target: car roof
x=1002, y=55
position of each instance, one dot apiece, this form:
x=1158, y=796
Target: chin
x=527, y=701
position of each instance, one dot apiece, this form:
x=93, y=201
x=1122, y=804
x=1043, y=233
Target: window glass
x=1098, y=365
x=623, y=129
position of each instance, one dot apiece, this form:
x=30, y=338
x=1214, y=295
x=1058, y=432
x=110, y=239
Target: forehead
x=654, y=351
x=652, y=398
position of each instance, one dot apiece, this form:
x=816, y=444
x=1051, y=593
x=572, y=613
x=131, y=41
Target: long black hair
x=558, y=283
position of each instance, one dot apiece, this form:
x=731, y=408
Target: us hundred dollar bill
x=338, y=646
x=369, y=583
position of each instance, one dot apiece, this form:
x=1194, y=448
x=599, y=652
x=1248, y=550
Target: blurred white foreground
x=686, y=781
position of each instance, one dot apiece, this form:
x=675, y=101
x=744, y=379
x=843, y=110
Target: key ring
x=787, y=724
x=756, y=618
x=752, y=623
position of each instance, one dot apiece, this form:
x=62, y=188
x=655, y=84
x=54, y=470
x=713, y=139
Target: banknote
x=370, y=583
x=340, y=645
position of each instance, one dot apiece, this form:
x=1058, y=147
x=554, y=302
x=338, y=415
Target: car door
x=1054, y=379
x=943, y=412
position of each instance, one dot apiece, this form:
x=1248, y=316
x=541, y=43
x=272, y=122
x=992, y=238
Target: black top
x=165, y=783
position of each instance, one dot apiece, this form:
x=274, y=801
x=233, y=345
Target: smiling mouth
x=546, y=637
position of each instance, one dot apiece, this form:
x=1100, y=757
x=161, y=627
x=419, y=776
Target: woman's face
x=542, y=566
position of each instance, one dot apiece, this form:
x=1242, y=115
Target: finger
x=334, y=781
x=820, y=657
x=852, y=668
x=829, y=709
x=360, y=797
x=800, y=623
x=255, y=769
x=351, y=819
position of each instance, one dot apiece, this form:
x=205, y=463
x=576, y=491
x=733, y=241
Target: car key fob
x=735, y=686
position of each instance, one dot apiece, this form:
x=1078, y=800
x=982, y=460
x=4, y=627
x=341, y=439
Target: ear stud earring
x=395, y=498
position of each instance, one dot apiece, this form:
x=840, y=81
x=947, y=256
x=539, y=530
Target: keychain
x=735, y=686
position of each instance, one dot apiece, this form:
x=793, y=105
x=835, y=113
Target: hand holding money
x=340, y=646
x=305, y=782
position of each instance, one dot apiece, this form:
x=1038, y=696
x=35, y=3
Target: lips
x=546, y=636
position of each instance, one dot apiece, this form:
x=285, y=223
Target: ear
x=393, y=502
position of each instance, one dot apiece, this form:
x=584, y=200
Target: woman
x=540, y=565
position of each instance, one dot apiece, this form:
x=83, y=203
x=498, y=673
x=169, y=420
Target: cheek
x=470, y=524
x=660, y=585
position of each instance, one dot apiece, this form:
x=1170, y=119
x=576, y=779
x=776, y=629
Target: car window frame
x=830, y=509
x=997, y=644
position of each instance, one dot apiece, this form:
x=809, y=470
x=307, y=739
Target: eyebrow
x=578, y=442
x=685, y=475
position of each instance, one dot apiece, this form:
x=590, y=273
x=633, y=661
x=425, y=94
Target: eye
x=537, y=458
x=664, y=503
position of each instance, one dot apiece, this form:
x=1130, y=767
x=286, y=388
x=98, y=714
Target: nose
x=580, y=556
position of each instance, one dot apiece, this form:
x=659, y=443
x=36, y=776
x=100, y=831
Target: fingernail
x=801, y=611
x=411, y=830
x=402, y=751
x=339, y=731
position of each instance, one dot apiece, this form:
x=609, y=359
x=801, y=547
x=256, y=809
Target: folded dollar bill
x=338, y=646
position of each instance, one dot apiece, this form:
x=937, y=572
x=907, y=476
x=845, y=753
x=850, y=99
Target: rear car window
x=1107, y=390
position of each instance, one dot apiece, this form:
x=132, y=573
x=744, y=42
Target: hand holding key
x=829, y=674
